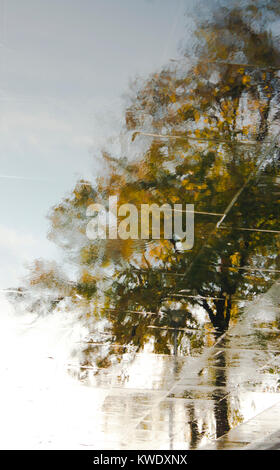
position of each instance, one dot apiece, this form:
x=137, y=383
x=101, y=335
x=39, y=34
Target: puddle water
x=136, y=400
x=154, y=330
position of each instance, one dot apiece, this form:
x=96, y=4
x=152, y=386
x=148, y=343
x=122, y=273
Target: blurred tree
x=209, y=127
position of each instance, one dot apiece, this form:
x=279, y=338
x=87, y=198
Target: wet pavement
x=224, y=396
x=259, y=433
x=222, y=393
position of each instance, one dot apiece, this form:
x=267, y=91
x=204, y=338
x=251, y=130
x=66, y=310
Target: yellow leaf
x=246, y=79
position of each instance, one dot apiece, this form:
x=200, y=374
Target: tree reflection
x=221, y=406
x=208, y=128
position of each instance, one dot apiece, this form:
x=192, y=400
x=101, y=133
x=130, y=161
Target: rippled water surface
x=153, y=322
